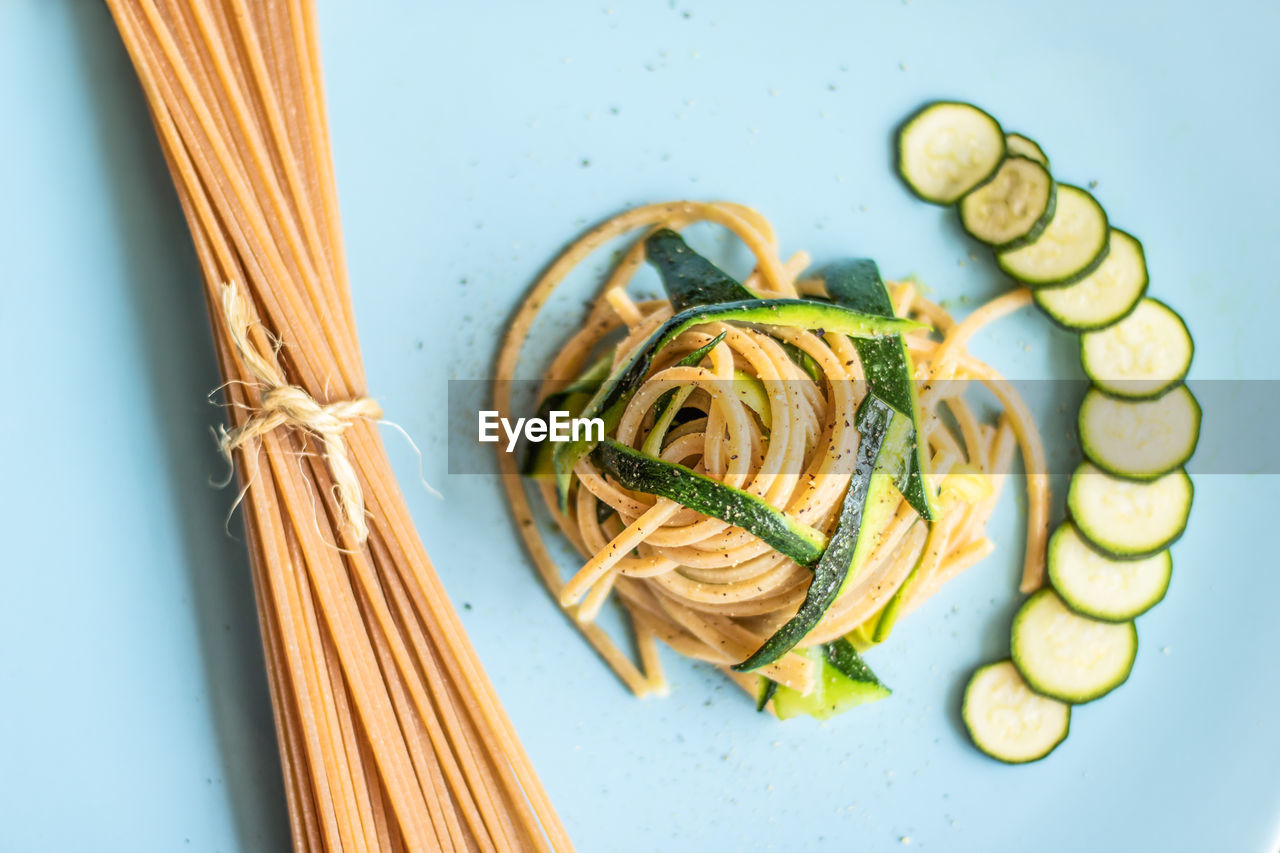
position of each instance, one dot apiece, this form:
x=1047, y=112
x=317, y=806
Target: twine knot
x=288, y=405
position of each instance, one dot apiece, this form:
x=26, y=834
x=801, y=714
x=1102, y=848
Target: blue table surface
x=471, y=144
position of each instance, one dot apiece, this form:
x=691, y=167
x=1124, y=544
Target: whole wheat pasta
x=391, y=736
x=703, y=587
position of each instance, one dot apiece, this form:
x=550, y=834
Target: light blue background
x=473, y=142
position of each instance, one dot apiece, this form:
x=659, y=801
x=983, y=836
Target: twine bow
x=284, y=404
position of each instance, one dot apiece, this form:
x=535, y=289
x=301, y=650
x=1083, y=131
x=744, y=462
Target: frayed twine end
x=288, y=405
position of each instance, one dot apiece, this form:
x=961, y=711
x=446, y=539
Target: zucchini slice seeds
x=1012, y=208
x=1126, y=519
x=1100, y=587
x=1008, y=721
x=1072, y=245
x=947, y=148
x=1104, y=296
x=1139, y=439
x=1070, y=657
x=1142, y=356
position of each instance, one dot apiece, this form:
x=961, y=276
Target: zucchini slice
x=1009, y=722
x=1099, y=587
x=1126, y=519
x=1104, y=296
x=654, y=476
x=1012, y=208
x=688, y=278
x=1070, y=657
x=833, y=568
x=845, y=683
x=856, y=284
x=1018, y=145
x=1142, y=356
x=766, y=688
x=1139, y=439
x=1072, y=245
x=947, y=148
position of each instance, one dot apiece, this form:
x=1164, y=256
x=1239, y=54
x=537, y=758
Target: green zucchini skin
x=1045, y=683
x=1114, y=463
x=688, y=278
x=830, y=571
x=614, y=392
x=969, y=713
x=765, y=691
x=1019, y=145
x=901, y=138
x=1037, y=227
x=1084, y=272
x=845, y=658
x=1088, y=600
x=803, y=359
x=1043, y=295
x=856, y=284
x=642, y=473
x=1085, y=517
x=845, y=682
x=1074, y=275
x=1123, y=389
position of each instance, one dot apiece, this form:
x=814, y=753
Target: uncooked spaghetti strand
x=441, y=721
x=392, y=655
x=336, y=601
x=200, y=126
x=252, y=234
x=236, y=29
x=317, y=558
x=320, y=287
x=429, y=598
x=352, y=774
x=413, y=661
x=322, y=147
x=426, y=761
x=323, y=555
x=299, y=793
x=169, y=126
x=289, y=610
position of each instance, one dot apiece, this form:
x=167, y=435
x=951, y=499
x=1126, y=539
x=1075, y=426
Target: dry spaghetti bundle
x=766, y=421
x=390, y=734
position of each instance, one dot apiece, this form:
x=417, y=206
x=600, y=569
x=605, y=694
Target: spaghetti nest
x=771, y=411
